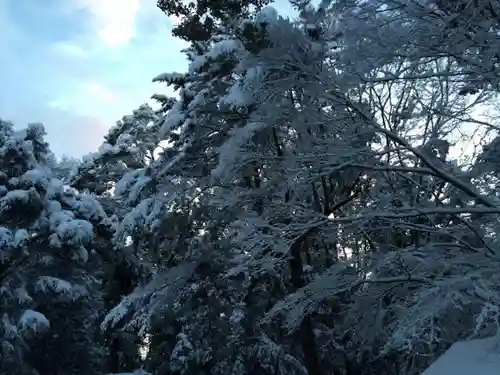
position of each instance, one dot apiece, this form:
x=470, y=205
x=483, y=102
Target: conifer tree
x=47, y=252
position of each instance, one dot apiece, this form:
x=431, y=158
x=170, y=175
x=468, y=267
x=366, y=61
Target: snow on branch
x=160, y=292
x=33, y=321
x=466, y=188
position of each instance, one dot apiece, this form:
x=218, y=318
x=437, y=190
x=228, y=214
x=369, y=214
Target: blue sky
x=79, y=65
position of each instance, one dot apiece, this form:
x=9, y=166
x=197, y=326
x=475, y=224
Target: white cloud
x=71, y=49
x=9, y=30
x=114, y=20
x=59, y=104
x=98, y=91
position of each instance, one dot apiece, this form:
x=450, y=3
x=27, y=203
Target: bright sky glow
x=78, y=66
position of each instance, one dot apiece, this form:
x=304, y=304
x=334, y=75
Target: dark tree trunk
x=307, y=338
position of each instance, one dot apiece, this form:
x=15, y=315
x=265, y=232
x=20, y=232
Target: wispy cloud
x=59, y=104
x=98, y=91
x=114, y=20
x=70, y=49
x=80, y=65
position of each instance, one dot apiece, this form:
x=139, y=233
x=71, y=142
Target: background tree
x=46, y=276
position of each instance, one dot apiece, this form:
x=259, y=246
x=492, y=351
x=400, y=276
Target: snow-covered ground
x=474, y=357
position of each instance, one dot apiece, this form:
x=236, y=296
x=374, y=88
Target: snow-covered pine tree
x=62, y=168
x=46, y=251
x=309, y=178
x=199, y=20
x=127, y=152
x=291, y=149
x=192, y=241
x=212, y=121
x=427, y=166
x=443, y=230
x=129, y=145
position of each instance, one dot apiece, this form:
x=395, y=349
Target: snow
x=229, y=152
x=54, y=241
x=117, y=313
x=124, y=143
x=53, y=207
x=35, y=177
x=89, y=208
x=478, y=357
x=6, y=239
x=13, y=182
x=169, y=77
x=34, y=321
x=254, y=73
x=267, y=15
x=89, y=158
x=173, y=119
x=145, y=216
x=223, y=47
x=19, y=135
x=15, y=196
x=58, y=217
x=82, y=254
x=47, y=284
x=47, y=260
x=56, y=187
x=9, y=329
x=236, y=97
x=180, y=354
x=21, y=237
x=75, y=232
x=131, y=185
x=22, y=295
x=10, y=241
x=237, y=316
x=199, y=100
x=106, y=148
x=37, y=129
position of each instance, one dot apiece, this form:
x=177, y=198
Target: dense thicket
x=320, y=198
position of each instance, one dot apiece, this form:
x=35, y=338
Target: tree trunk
x=307, y=338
